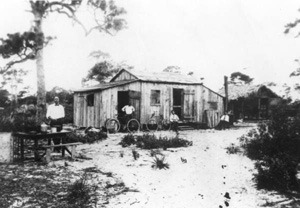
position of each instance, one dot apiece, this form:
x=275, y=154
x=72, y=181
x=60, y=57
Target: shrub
x=6, y=124
x=89, y=137
x=160, y=163
x=150, y=141
x=233, y=149
x=275, y=147
x=135, y=154
x=81, y=194
x=128, y=140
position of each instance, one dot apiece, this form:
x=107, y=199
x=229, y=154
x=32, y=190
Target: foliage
x=173, y=69
x=89, y=137
x=20, y=47
x=4, y=98
x=39, y=185
x=135, y=154
x=101, y=71
x=6, y=124
x=81, y=193
x=233, y=149
x=148, y=141
x=160, y=163
x=236, y=77
x=275, y=147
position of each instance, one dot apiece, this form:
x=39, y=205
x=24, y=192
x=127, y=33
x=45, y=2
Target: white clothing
x=174, y=118
x=128, y=109
x=55, y=111
x=225, y=118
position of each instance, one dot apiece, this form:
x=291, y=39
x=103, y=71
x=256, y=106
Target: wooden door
x=178, y=103
x=135, y=99
x=189, y=105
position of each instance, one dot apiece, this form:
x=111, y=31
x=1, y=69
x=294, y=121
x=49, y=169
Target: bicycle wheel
x=133, y=125
x=152, y=125
x=112, y=125
x=166, y=124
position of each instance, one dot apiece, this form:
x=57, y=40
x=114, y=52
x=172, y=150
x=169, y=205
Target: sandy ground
x=202, y=181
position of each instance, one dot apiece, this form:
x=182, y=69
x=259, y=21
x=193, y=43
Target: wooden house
x=149, y=93
x=251, y=101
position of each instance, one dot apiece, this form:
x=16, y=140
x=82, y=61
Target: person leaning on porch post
x=56, y=114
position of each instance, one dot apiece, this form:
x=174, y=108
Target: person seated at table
x=174, y=121
x=55, y=114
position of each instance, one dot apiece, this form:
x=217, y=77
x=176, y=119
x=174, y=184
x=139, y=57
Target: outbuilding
x=149, y=93
x=251, y=101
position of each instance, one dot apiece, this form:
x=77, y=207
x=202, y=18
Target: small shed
x=251, y=101
x=149, y=92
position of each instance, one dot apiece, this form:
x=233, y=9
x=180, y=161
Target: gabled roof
x=237, y=91
x=104, y=86
x=167, y=77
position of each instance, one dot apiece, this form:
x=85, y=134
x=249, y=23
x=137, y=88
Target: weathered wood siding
x=190, y=98
x=197, y=99
x=105, y=105
x=212, y=108
x=124, y=76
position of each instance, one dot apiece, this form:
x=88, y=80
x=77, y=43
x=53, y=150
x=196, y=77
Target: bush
x=6, y=124
x=160, y=163
x=89, y=137
x=275, y=147
x=150, y=141
x=81, y=194
x=278, y=173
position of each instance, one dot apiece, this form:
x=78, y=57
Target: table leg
x=63, y=148
x=36, y=153
x=22, y=148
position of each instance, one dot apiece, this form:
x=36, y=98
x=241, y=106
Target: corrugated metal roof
x=170, y=77
x=105, y=86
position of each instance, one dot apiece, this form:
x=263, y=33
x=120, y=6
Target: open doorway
x=178, y=102
x=123, y=99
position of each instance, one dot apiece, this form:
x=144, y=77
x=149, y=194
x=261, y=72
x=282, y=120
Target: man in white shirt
x=128, y=109
x=224, y=122
x=56, y=114
x=174, y=121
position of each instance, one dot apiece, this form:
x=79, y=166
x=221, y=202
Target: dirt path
x=202, y=181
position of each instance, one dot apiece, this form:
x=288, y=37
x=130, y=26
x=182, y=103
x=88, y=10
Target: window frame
x=154, y=94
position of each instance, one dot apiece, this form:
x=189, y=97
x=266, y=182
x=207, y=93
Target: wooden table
x=38, y=137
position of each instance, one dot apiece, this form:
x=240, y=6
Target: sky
x=212, y=38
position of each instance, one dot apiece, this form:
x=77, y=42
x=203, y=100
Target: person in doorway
x=174, y=121
x=55, y=114
x=129, y=110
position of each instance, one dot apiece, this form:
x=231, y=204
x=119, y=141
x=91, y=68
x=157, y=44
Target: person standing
x=174, y=121
x=128, y=109
x=56, y=114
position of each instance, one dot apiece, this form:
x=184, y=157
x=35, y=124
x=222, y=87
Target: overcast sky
x=213, y=38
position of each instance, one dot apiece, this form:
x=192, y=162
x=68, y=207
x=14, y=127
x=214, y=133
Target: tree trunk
x=41, y=89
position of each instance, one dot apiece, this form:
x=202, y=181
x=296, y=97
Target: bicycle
x=114, y=125
x=158, y=122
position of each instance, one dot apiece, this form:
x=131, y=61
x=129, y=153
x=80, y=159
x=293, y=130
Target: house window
x=90, y=100
x=155, y=97
x=213, y=105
